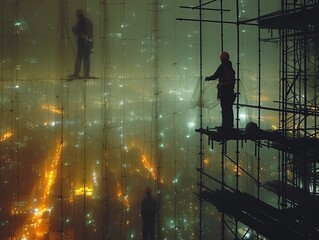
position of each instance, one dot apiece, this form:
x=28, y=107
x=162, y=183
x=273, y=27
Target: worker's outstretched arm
x=216, y=75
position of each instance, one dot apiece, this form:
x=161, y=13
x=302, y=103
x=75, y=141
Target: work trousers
x=83, y=53
x=148, y=230
x=227, y=98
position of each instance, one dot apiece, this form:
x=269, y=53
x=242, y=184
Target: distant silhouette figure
x=84, y=32
x=226, y=81
x=148, y=212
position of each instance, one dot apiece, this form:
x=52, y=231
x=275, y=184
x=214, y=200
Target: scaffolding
x=127, y=130
x=294, y=28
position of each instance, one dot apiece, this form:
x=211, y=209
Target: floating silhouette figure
x=83, y=30
x=148, y=212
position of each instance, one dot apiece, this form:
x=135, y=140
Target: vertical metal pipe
x=201, y=153
x=259, y=102
x=64, y=35
x=237, y=101
x=106, y=107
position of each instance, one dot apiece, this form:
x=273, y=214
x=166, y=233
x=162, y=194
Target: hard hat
x=79, y=13
x=148, y=190
x=224, y=56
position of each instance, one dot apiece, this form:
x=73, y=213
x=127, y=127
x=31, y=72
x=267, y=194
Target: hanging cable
x=105, y=113
x=14, y=116
x=123, y=125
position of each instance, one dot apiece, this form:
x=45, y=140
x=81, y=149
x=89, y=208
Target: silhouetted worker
x=148, y=212
x=226, y=81
x=84, y=32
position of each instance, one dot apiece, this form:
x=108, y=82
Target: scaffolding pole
x=297, y=137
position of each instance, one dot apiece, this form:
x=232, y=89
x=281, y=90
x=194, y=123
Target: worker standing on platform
x=83, y=30
x=148, y=212
x=226, y=81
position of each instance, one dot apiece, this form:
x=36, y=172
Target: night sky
x=76, y=156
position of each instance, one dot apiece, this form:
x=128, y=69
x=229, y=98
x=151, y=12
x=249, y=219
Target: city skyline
x=77, y=155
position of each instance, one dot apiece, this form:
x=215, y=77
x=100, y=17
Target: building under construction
x=77, y=154
x=294, y=30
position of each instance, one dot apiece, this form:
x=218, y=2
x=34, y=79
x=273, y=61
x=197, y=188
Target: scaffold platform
x=294, y=19
x=262, y=217
x=294, y=194
x=239, y=134
x=303, y=148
